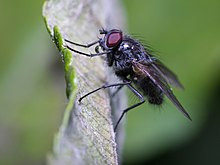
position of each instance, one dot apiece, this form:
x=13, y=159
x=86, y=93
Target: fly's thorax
x=127, y=52
x=122, y=67
x=123, y=56
x=125, y=48
x=132, y=49
x=122, y=64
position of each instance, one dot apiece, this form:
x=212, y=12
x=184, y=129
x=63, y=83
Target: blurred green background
x=32, y=89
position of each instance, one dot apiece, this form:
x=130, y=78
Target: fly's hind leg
x=142, y=100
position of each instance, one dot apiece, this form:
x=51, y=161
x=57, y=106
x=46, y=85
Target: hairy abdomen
x=150, y=90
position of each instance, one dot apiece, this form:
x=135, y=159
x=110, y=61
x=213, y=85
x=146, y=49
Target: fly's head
x=109, y=43
x=111, y=39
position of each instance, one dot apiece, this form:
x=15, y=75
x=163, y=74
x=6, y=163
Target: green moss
x=67, y=59
x=58, y=38
x=69, y=72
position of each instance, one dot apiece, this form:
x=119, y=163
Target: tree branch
x=86, y=135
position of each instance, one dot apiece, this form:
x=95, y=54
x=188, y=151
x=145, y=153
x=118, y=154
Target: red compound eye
x=113, y=39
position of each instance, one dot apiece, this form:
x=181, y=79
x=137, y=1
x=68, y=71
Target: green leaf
x=86, y=135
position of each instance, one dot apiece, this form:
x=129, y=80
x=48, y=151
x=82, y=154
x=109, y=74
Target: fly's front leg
x=82, y=45
x=85, y=46
x=87, y=54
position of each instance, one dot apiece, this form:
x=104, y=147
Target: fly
x=137, y=69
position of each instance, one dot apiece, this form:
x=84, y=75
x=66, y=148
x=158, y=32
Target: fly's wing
x=152, y=72
x=167, y=74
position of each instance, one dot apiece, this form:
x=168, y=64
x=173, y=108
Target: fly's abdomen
x=150, y=90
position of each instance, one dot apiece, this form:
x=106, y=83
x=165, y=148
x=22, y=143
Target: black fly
x=134, y=65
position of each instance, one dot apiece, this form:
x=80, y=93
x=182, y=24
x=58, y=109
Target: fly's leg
x=85, y=46
x=104, y=87
x=88, y=54
x=142, y=100
x=82, y=45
